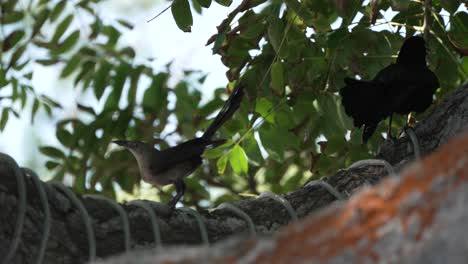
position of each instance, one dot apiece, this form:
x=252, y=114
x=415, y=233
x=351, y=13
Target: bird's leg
x=180, y=190
x=407, y=125
x=389, y=132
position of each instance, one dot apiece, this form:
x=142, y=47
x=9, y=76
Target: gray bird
x=172, y=165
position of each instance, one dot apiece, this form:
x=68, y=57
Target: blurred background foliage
x=291, y=56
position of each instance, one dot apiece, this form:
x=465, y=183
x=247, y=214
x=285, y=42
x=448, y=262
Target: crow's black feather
x=402, y=87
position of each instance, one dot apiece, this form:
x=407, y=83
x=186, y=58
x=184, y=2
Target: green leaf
x=204, y=3
x=450, y=5
x=121, y=74
x=134, y=81
x=182, y=14
x=61, y=28
x=125, y=182
x=45, y=45
x=41, y=18
x=8, y=5
x=47, y=62
x=12, y=17
x=86, y=74
x=128, y=51
x=343, y=120
x=301, y=10
x=12, y=39
x=125, y=23
x=224, y=2
x=459, y=30
x=4, y=119
x=16, y=56
x=263, y=107
x=277, y=78
x=113, y=35
x=101, y=77
x=238, y=160
x=400, y=5
x=57, y=10
x=155, y=96
x=43, y=2
x=218, y=151
x=50, y=165
x=211, y=107
x=335, y=39
x=34, y=110
x=270, y=136
x=252, y=25
x=20, y=66
x=52, y=152
x=195, y=185
x=213, y=153
x=23, y=99
x=3, y=81
x=196, y=6
x=48, y=109
x=64, y=137
x=122, y=123
x=67, y=44
x=71, y=66
x=220, y=38
x=275, y=33
x=252, y=150
x=221, y=164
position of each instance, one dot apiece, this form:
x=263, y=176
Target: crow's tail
x=229, y=108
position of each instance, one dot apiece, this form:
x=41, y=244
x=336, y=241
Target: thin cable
x=84, y=215
x=292, y=213
x=45, y=207
x=201, y=224
x=154, y=222
x=373, y=162
x=122, y=214
x=414, y=139
x=10, y=163
x=240, y=213
x=327, y=187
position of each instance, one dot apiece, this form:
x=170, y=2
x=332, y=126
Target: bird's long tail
x=229, y=108
x=365, y=102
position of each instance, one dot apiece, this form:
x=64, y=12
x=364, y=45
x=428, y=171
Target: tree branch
x=419, y=217
x=427, y=18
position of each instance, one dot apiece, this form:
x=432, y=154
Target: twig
x=160, y=13
x=427, y=18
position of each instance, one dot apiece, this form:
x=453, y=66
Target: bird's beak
x=123, y=143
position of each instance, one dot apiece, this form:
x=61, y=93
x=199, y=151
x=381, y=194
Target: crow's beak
x=123, y=143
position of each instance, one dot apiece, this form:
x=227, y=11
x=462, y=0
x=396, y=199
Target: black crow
x=402, y=87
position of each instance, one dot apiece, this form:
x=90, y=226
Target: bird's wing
x=408, y=87
x=364, y=101
x=185, y=152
